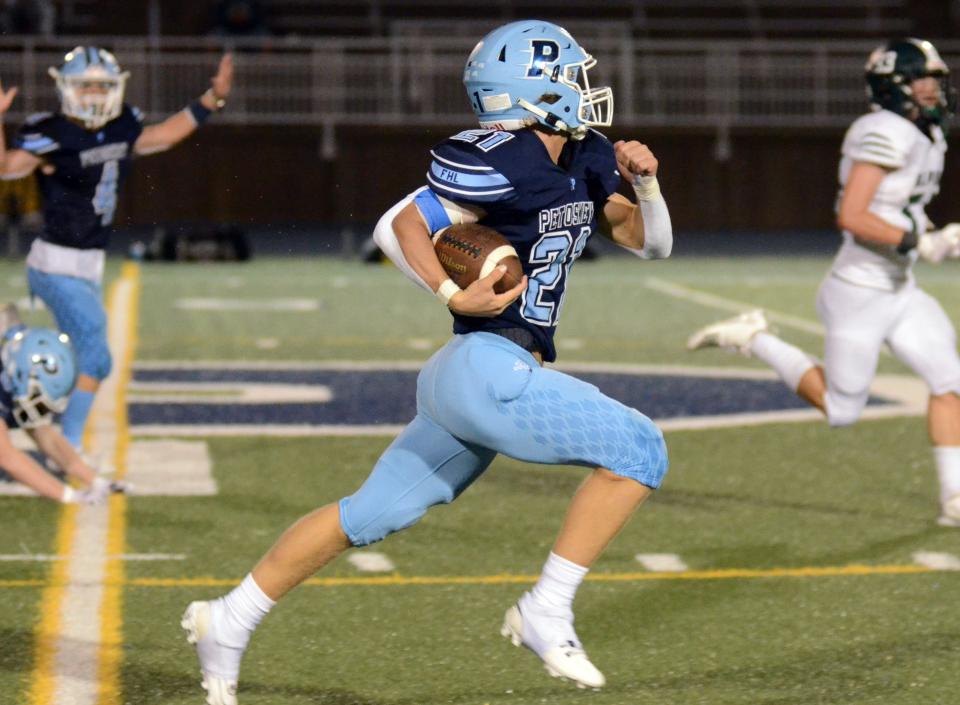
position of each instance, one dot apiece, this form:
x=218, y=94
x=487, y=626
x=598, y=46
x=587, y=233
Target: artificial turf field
x=802, y=583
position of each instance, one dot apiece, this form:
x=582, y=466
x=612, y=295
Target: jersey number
x=552, y=252
x=485, y=140
x=105, y=197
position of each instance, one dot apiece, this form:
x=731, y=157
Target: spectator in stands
x=240, y=18
x=27, y=17
x=20, y=204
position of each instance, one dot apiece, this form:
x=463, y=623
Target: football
x=470, y=251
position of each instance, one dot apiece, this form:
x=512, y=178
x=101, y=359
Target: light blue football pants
x=480, y=395
x=77, y=307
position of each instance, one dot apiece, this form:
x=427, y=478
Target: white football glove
x=87, y=496
x=937, y=245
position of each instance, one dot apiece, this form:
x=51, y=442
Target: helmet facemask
x=91, y=90
x=36, y=407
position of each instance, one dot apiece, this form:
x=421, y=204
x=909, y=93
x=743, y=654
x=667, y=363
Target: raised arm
x=177, y=127
x=14, y=163
x=643, y=228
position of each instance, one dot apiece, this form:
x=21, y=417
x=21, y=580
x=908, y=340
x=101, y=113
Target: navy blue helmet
x=892, y=67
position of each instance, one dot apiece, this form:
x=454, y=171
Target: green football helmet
x=892, y=67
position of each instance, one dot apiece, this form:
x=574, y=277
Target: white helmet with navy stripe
x=533, y=71
x=91, y=86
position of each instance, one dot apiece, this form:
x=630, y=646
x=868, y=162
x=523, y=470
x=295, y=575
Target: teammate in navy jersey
x=537, y=172
x=81, y=155
x=37, y=374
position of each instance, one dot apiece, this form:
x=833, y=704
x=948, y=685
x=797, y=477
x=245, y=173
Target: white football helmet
x=91, y=86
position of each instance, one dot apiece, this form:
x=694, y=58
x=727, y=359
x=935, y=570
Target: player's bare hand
x=480, y=300
x=634, y=159
x=223, y=81
x=6, y=98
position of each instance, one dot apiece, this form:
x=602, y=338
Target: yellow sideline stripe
x=507, y=579
x=45, y=635
x=119, y=581
x=111, y=615
x=725, y=574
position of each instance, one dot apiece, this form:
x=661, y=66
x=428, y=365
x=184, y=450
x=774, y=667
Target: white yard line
x=370, y=562
x=281, y=430
x=213, y=304
x=678, y=291
x=227, y=393
x=78, y=652
x=662, y=562
x=50, y=557
x=937, y=561
x=170, y=468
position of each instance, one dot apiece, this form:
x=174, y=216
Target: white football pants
x=859, y=320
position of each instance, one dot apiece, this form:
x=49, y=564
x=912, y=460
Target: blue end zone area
x=363, y=397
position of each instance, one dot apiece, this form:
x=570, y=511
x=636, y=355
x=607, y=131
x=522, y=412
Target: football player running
x=537, y=172
x=83, y=153
x=890, y=168
x=37, y=374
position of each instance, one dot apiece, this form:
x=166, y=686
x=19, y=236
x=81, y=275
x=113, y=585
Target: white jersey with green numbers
x=915, y=163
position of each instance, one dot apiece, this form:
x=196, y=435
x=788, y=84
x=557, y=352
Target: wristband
x=908, y=242
x=199, y=112
x=646, y=188
x=218, y=103
x=446, y=290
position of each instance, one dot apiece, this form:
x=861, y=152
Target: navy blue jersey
x=80, y=195
x=548, y=211
x=6, y=408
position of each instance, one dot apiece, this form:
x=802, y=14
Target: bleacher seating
x=653, y=19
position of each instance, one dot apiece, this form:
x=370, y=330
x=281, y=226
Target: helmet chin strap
x=552, y=120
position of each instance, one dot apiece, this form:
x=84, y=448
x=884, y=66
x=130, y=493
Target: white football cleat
x=950, y=512
x=550, y=635
x=215, y=658
x=733, y=333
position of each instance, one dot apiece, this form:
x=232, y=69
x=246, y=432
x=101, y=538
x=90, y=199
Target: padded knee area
x=843, y=410
x=94, y=359
x=644, y=457
x=424, y=466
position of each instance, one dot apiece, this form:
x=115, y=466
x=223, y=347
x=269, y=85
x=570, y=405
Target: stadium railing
x=415, y=80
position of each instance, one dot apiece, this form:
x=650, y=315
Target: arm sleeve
x=657, y=228
x=386, y=240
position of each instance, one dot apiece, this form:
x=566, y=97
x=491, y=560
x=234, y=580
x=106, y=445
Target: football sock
x=244, y=607
x=788, y=361
x=948, y=469
x=75, y=417
x=558, y=582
